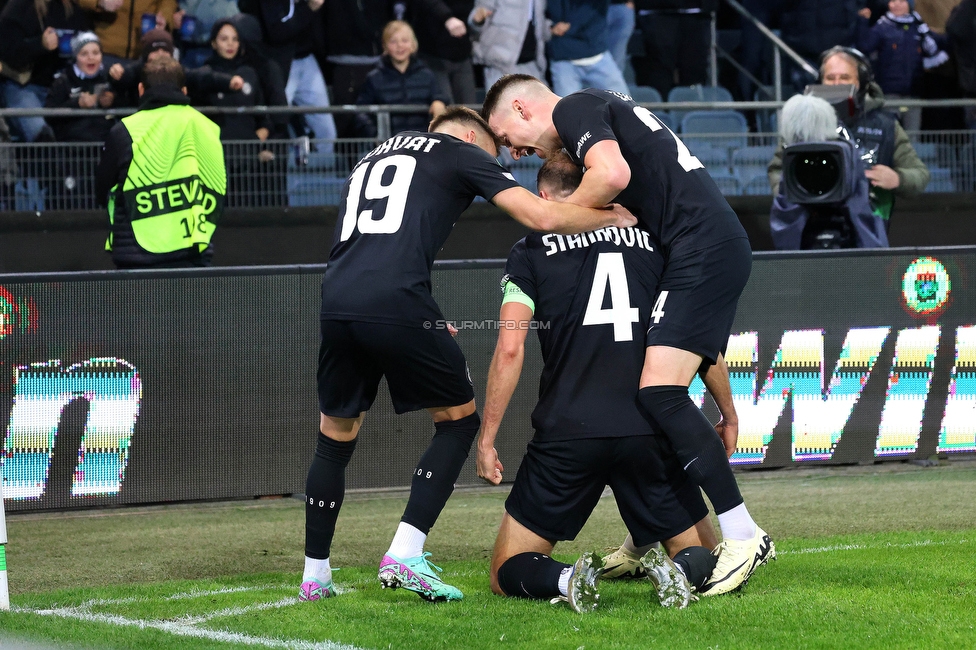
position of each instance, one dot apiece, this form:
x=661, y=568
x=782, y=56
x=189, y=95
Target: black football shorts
x=560, y=482
x=423, y=368
x=697, y=297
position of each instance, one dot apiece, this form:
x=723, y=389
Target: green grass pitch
x=878, y=557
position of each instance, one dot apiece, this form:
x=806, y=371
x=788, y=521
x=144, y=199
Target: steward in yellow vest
x=163, y=176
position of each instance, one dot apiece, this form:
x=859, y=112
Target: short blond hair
x=393, y=27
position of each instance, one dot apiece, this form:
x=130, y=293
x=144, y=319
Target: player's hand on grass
x=728, y=431
x=489, y=467
x=624, y=218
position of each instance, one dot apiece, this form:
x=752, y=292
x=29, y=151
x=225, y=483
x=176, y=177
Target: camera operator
x=892, y=166
x=823, y=201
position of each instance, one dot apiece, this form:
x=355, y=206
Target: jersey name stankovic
x=630, y=237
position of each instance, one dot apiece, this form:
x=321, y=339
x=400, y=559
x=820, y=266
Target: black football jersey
x=398, y=207
x=592, y=295
x=670, y=192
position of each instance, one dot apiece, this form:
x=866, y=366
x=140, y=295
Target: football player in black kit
x=632, y=158
x=591, y=294
x=379, y=319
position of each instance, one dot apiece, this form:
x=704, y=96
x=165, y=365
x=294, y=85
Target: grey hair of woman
x=806, y=118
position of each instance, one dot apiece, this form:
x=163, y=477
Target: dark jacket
x=897, y=49
x=812, y=26
x=235, y=127
x=272, y=78
x=64, y=93
x=587, y=35
x=291, y=29
x=199, y=83
x=387, y=85
x=20, y=37
x=355, y=27
x=113, y=168
x=961, y=30
x=428, y=18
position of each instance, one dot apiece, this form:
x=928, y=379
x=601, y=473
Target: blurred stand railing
x=303, y=171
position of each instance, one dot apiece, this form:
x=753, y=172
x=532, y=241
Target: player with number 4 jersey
x=632, y=157
x=379, y=320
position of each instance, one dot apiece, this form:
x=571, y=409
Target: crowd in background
x=89, y=53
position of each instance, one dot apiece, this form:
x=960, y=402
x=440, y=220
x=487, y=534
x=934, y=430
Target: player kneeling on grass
x=590, y=295
x=379, y=319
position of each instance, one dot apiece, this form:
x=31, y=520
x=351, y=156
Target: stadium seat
x=645, y=95
x=717, y=122
x=696, y=94
x=752, y=162
x=941, y=180
x=314, y=189
x=755, y=186
x=716, y=158
x=726, y=180
x=928, y=152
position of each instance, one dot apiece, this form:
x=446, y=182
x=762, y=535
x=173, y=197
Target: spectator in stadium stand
x=400, y=78
x=901, y=46
x=677, y=39
x=251, y=174
x=119, y=24
x=292, y=31
x=30, y=57
x=270, y=74
x=445, y=46
x=354, y=44
x=165, y=215
x=620, y=25
x=191, y=36
x=83, y=84
x=893, y=167
x=812, y=26
x=754, y=47
x=504, y=43
x=961, y=31
x=578, y=50
x=158, y=44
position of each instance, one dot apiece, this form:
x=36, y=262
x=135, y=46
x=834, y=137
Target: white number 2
x=610, y=270
x=685, y=159
x=395, y=193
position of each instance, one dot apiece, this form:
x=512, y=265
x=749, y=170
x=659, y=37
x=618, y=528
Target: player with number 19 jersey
x=591, y=295
x=398, y=208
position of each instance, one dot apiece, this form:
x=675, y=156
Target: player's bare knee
x=447, y=413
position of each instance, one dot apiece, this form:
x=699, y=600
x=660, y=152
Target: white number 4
x=658, y=312
x=610, y=270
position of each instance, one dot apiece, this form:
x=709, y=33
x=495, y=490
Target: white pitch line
x=183, y=629
x=858, y=547
x=98, y=602
x=237, y=611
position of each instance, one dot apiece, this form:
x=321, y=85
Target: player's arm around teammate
x=523, y=206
